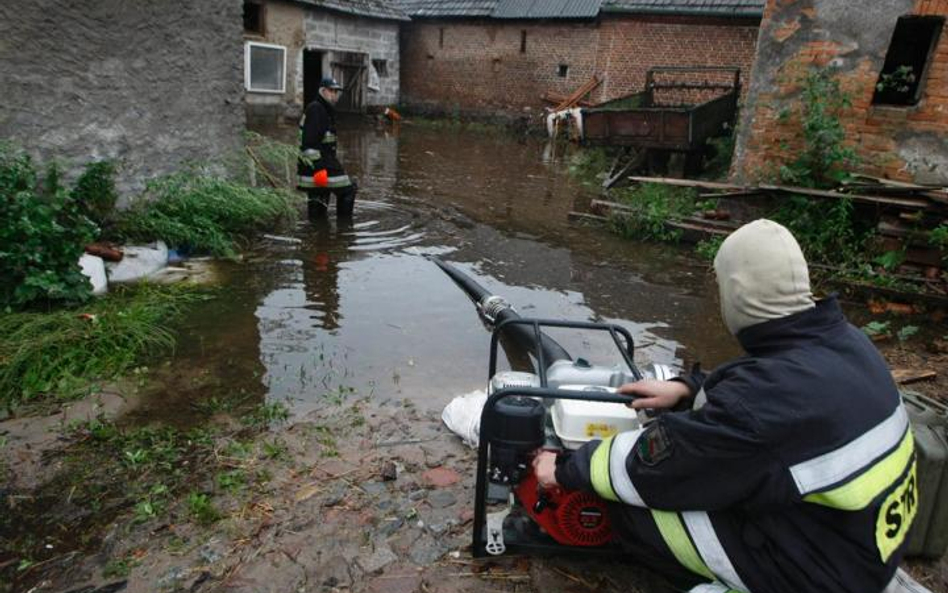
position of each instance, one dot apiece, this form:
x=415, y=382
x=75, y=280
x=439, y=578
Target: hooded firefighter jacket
x=797, y=474
x=318, y=149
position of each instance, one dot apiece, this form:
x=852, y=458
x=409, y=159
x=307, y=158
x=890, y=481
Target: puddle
x=334, y=308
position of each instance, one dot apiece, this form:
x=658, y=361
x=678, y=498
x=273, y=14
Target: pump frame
x=544, y=544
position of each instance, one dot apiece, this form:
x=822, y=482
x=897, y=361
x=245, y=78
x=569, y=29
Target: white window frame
x=247, y=46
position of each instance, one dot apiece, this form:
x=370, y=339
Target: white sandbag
x=93, y=268
x=462, y=416
x=139, y=262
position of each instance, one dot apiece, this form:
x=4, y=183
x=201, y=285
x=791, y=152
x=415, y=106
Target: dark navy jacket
x=797, y=475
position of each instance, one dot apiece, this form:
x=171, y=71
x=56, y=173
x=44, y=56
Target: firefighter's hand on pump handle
x=648, y=395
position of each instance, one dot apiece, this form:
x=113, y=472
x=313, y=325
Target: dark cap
x=330, y=83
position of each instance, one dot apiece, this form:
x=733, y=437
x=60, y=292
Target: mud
x=197, y=484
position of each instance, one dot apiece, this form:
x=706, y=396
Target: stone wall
x=478, y=65
x=297, y=28
x=150, y=85
x=904, y=143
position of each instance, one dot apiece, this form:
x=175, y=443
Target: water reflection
x=358, y=307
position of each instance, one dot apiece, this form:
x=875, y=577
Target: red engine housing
x=571, y=518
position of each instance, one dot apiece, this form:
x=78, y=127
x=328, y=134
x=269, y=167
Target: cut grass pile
x=62, y=354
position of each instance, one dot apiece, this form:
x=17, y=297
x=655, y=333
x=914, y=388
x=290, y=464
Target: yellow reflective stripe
x=859, y=492
x=599, y=471
x=896, y=515
x=676, y=538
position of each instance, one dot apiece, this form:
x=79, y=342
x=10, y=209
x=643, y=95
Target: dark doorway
x=312, y=74
x=349, y=69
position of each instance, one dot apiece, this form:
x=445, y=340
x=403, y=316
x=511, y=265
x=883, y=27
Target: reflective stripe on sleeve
x=831, y=468
x=305, y=181
x=712, y=588
x=329, y=138
x=621, y=482
x=339, y=181
x=312, y=153
x=599, y=471
x=710, y=548
x=676, y=538
x=859, y=492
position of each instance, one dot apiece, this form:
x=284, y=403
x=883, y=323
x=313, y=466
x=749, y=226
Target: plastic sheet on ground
x=93, y=267
x=140, y=261
x=462, y=416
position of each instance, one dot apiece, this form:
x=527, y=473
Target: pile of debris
x=908, y=217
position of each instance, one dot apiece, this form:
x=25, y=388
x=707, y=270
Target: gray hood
x=762, y=275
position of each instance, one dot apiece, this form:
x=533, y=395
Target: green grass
x=652, y=205
x=64, y=353
x=205, y=213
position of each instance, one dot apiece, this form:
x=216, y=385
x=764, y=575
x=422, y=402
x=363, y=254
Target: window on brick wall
x=254, y=18
x=523, y=42
x=906, y=63
x=562, y=70
x=381, y=66
x=264, y=67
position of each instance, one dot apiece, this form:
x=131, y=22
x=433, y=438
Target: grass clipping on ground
x=62, y=354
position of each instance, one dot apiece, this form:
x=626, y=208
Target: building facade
x=86, y=81
x=891, y=60
x=290, y=45
x=497, y=55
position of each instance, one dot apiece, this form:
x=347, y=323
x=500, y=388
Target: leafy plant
x=202, y=509
x=43, y=235
x=876, y=328
x=95, y=192
x=652, y=205
x=824, y=158
x=890, y=260
x=827, y=233
x=906, y=332
x=708, y=249
x=899, y=80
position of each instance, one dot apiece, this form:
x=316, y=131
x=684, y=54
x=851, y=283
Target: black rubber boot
x=317, y=204
x=345, y=201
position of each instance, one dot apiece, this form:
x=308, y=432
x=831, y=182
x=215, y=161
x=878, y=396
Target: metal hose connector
x=491, y=306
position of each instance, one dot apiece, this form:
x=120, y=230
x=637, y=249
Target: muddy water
x=337, y=308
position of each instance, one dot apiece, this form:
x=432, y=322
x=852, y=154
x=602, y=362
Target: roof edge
x=404, y=17
x=682, y=12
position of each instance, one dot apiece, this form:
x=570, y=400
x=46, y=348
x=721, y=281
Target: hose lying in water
x=494, y=310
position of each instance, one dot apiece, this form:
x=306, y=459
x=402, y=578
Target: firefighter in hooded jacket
x=794, y=469
x=320, y=172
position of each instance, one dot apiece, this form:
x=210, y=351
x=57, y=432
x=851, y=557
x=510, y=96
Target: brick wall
x=478, y=66
x=902, y=143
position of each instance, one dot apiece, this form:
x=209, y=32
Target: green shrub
x=61, y=354
x=42, y=235
x=824, y=159
x=204, y=213
x=95, y=193
x=653, y=204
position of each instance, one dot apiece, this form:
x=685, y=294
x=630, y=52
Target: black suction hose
x=522, y=335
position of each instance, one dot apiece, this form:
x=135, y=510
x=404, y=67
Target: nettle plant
x=44, y=232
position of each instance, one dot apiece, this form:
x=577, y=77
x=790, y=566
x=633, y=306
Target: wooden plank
x=585, y=217
x=910, y=203
x=907, y=376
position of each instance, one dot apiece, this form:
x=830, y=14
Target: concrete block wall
x=150, y=85
x=378, y=39
x=902, y=143
x=479, y=65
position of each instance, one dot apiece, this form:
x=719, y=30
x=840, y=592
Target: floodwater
x=334, y=309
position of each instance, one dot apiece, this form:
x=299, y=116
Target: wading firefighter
x=320, y=172
x=790, y=469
